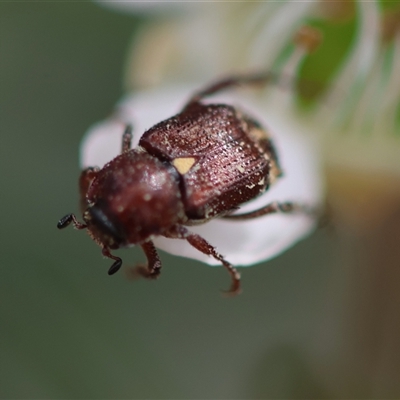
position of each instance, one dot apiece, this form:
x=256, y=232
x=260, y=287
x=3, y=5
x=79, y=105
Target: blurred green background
x=68, y=330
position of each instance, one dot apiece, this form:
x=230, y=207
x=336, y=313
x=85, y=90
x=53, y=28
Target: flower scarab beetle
x=200, y=164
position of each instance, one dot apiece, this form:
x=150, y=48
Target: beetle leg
x=180, y=232
x=86, y=178
x=238, y=80
x=273, y=208
x=127, y=139
x=153, y=268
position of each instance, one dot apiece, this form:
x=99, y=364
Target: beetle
x=202, y=163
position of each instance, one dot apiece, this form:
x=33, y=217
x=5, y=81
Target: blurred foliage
x=322, y=64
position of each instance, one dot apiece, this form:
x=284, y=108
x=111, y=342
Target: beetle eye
x=95, y=215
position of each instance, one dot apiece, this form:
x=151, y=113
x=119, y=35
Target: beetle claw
x=143, y=271
x=233, y=291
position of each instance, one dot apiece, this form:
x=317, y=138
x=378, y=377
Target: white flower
x=182, y=52
x=242, y=242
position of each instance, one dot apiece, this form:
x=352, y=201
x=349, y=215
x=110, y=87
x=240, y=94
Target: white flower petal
x=101, y=143
x=242, y=242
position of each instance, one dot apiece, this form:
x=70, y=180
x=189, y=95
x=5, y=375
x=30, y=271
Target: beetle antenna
x=117, y=264
x=67, y=220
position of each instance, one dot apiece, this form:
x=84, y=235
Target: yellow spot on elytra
x=258, y=134
x=274, y=173
x=183, y=164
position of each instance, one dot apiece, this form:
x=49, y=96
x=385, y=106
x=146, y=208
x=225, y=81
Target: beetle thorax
x=133, y=198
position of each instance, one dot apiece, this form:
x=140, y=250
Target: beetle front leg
x=153, y=268
x=275, y=207
x=86, y=178
x=180, y=232
x=127, y=139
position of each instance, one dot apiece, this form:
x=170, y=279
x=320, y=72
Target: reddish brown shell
x=134, y=197
x=223, y=157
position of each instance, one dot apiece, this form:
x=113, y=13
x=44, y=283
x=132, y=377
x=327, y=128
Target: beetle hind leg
x=273, y=208
x=230, y=82
x=180, y=232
